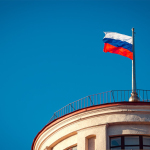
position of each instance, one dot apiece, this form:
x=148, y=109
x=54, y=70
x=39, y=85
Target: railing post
x=87, y=101
x=147, y=95
x=90, y=100
x=121, y=96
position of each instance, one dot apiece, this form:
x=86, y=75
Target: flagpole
x=133, y=65
x=134, y=95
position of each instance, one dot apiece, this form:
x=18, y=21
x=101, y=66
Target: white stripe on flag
x=118, y=36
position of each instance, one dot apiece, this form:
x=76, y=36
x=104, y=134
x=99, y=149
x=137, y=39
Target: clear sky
x=51, y=54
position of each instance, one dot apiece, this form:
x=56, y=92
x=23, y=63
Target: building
x=99, y=122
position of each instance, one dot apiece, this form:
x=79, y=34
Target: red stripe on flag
x=117, y=50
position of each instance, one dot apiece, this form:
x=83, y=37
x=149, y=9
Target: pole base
x=134, y=97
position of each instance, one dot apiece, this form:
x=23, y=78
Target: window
x=137, y=142
x=72, y=148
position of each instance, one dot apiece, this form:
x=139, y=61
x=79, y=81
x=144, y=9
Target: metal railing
x=100, y=98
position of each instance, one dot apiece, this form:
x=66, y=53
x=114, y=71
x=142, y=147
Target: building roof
x=57, y=120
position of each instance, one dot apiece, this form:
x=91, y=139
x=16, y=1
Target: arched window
x=130, y=142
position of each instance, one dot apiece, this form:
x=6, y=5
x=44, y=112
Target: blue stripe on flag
x=118, y=43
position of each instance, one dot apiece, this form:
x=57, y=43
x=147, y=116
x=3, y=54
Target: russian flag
x=118, y=43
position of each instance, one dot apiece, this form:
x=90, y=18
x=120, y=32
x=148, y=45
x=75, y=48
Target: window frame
x=122, y=146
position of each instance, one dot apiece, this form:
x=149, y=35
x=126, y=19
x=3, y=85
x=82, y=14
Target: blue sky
x=51, y=54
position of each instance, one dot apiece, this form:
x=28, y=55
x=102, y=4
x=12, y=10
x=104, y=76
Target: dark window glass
x=146, y=140
x=132, y=148
x=146, y=148
x=116, y=141
x=116, y=148
x=131, y=140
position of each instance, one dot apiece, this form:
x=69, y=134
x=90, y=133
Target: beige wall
x=98, y=132
x=66, y=143
x=129, y=129
x=101, y=123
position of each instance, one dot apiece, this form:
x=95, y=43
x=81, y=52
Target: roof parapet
x=103, y=98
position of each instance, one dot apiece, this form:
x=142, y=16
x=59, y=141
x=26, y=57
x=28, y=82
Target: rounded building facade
x=114, y=126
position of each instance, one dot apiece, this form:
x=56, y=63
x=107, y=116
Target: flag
x=118, y=43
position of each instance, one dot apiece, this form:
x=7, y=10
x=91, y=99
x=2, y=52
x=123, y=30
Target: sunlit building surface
x=104, y=121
